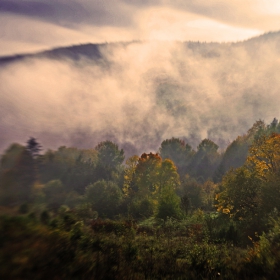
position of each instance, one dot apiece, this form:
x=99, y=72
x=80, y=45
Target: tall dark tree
x=17, y=175
x=33, y=147
x=109, y=154
x=205, y=160
x=75, y=168
x=179, y=152
x=110, y=158
x=234, y=157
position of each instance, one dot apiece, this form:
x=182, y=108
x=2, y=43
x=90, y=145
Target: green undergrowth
x=45, y=245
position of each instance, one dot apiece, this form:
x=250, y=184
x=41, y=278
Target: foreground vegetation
x=175, y=214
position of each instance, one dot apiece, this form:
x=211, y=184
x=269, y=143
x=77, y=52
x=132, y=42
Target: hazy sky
x=28, y=26
x=153, y=90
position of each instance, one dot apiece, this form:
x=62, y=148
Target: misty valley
x=141, y=160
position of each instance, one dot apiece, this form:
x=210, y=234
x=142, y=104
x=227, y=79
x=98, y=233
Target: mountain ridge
x=92, y=50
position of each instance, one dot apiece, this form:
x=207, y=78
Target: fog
x=142, y=93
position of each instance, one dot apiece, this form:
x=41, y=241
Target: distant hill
x=93, y=51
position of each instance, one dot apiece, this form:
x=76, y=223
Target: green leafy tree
x=144, y=180
x=168, y=175
x=152, y=174
x=105, y=198
x=240, y=196
x=240, y=200
x=169, y=204
x=147, y=171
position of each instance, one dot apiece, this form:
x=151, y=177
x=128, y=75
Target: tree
x=237, y=152
x=177, y=151
x=234, y=157
x=75, y=168
x=109, y=161
x=240, y=195
x=109, y=154
x=129, y=186
x=240, y=200
x=264, y=160
x=105, y=198
x=205, y=160
x=258, y=129
x=33, y=147
x=264, y=156
x=252, y=191
x=152, y=174
x=17, y=175
x=168, y=175
x=169, y=204
x=144, y=180
x=207, y=146
x=147, y=171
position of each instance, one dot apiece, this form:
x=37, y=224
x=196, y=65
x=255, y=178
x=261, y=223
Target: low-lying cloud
x=142, y=93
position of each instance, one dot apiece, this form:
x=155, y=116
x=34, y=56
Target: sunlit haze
x=139, y=93
x=28, y=26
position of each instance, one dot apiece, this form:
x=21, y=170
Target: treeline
x=158, y=216
x=68, y=175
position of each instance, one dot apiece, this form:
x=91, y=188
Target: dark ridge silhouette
x=90, y=51
x=93, y=51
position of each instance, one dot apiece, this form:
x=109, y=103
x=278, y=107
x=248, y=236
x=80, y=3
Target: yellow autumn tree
x=168, y=175
x=146, y=180
x=253, y=190
x=129, y=185
x=264, y=159
x=264, y=156
x=149, y=174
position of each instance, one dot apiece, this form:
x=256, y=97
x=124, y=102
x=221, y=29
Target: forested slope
x=182, y=212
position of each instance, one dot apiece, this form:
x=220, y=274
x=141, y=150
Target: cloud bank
x=142, y=93
x=35, y=25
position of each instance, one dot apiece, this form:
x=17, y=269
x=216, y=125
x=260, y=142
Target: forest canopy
x=167, y=200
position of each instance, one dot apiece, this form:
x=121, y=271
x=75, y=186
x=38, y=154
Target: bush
x=141, y=208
